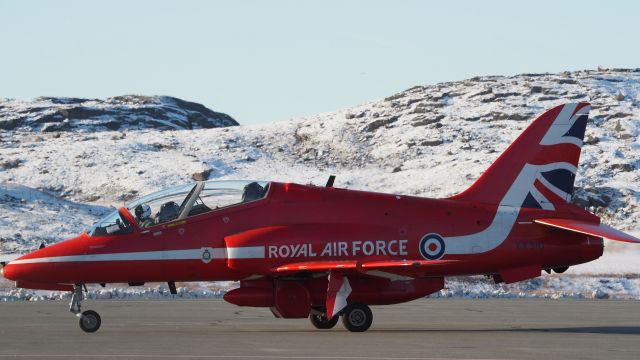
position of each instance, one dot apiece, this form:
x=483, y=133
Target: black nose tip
x=8, y=271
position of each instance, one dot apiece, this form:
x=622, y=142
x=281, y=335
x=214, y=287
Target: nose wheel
x=89, y=321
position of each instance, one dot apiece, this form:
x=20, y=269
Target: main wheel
x=90, y=321
x=560, y=270
x=357, y=317
x=321, y=321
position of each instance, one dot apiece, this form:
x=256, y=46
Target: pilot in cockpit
x=143, y=215
x=253, y=191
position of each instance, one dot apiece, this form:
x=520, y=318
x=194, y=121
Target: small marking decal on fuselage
x=206, y=255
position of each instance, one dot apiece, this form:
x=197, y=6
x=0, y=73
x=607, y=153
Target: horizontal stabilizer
x=359, y=266
x=599, y=230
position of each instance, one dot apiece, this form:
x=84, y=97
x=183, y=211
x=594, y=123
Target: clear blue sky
x=263, y=61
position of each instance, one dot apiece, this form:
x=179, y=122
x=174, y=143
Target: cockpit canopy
x=181, y=202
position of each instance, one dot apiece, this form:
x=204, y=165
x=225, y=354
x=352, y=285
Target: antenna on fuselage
x=332, y=178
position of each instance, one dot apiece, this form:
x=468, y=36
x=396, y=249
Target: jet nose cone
x=21, y=272
x=9, y=272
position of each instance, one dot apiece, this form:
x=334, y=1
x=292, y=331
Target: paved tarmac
x=423, y=329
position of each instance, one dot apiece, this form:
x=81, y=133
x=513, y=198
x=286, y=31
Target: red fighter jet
x=324, y=252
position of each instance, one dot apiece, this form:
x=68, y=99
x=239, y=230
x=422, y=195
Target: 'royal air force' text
x=339, y=248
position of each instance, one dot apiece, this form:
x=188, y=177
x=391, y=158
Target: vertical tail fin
x=538, y=169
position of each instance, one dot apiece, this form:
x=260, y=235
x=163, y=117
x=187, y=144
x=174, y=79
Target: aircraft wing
x=317, y=266
x=583, y=227
x=398, y=264
x=321, y=266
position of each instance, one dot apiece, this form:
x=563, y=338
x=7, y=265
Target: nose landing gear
x=89, y=320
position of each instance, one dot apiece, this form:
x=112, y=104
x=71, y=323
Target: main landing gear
x=356, y=317
x=89, y=320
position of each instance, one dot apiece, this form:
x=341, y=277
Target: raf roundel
x=432, y=247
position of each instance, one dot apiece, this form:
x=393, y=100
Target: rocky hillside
x=428, y=140
x=132, y=112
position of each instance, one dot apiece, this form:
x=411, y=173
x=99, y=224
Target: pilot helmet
x=143, y=211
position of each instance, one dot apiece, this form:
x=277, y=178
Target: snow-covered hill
x=428, y=140
x=51, y=114
x=28, y=215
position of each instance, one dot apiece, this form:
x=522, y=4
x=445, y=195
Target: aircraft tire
x=90, y=321
x=560, y=270
x=321, y=322
x=357, y=317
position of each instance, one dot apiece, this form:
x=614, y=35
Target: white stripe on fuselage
x=504, y=220
x=250, y=252
x=247, y=252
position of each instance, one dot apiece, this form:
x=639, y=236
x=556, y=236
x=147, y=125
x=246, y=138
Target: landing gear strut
x=89, y=320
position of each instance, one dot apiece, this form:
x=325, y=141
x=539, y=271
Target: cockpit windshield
x=112, y=224
x=181, y=202
x=160, y=207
